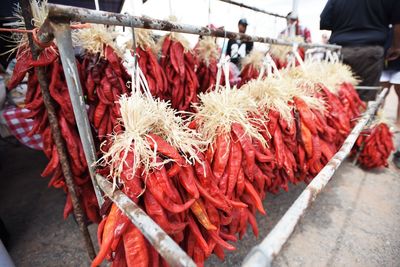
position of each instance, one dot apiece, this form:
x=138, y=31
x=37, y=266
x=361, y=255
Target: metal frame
x=372, y=88
x=67, y=13
x=253, y=8
x=263, y=254
x=57, y=25
x=165, y=246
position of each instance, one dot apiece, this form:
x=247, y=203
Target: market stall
x=172, y=168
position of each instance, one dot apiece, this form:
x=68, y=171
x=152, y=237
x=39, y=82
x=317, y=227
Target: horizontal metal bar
x=253, y=8
x=263, y=254
x=76, y=14
x=368, y=88
x=161, y=242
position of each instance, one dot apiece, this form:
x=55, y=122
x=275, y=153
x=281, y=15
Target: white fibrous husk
x=142, y=115
x=219, y=109
x=20, y=40
x=281, y=51
x=255, y=58
x=94, y=38
x=381, y=118
x=174, y=36
x=143, y=39
x=177, y=37
x=207, y=50
x=277, y=94
x=332, y=75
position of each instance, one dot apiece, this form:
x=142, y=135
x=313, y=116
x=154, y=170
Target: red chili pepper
x=114, y=60
x=278, y=145
x=307, y=140
x=254, y=196
x=247, y=146
x=187, y=179
x=158, y=193
x=200, y=212
x=136, y=253
x=53, y=163
x=217, y=199
x=165, y=183
x=306, y=115
x=197, y=234
x=240, y=183
x=198, y=257
x=20, y=69
x=234, y=166
x=220, y=241
x=156, y=212
x=223, y=183
x=119, y=259
x=253, y=223
x=218, y=250
x=107, y=237
x=161, y=146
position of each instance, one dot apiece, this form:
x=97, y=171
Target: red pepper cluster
x=281, y=64
x=248, y=73
x=155, y=75
x=376, y=145
x=206, y=205
x=202, y=206
x=179, y=70
x=207, y=75
x=104, y=80
x=60, y=96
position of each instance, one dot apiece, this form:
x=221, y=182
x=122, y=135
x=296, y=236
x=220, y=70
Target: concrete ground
x=355, y=221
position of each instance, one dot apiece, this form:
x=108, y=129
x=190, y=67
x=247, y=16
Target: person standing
x=361, y=28
x=237, y=49
x=391, y=75
x=294, y=28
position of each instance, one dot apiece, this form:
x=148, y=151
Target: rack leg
x=56, y=134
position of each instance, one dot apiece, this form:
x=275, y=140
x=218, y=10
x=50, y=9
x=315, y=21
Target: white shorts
x=392, y=76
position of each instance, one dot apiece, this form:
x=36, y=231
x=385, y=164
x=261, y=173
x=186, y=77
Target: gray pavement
x=353, y=222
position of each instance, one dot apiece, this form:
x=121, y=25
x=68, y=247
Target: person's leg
x=396, y=157
x=397, y=89
x=367, y=64
x=395, y=80
x=384, y=83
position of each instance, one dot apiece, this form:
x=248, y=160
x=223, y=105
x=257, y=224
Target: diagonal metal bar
x=56, y=132
x=62, y=33
x=76, y=14
x=253, y=8
x=161, y=242
x=263, y=254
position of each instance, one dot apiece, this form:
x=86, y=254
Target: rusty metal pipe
x=253, y=8
x=56, y=133
x=263, y=254
x=62, y=33
x=76, y=14
x=161, y=242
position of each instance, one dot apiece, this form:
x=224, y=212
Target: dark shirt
x=237, y=50
x=359, y=22
x=392, y=64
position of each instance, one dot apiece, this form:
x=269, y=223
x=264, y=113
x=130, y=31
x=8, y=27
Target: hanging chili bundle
x=103, y=75
x=150, y=160
x=207, y=53
x=178, y=62
x=148, y=63
x=232, y=154
x=252, y=66
x=374, y=146
x=63, y=106
x=283, y=55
